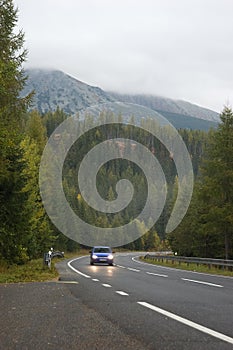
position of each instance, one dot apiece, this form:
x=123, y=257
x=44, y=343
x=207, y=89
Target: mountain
x=54, y=89
x=180, y=113
x=168, y=105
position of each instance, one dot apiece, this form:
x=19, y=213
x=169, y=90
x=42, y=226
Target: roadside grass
x=190, y=267
x=32, y=271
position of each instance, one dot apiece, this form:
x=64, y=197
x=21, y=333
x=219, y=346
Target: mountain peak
x=159, y=103
x=54, y=89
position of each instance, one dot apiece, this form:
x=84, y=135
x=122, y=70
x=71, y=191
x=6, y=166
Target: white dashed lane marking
x=156, y=274
x=136, y=270
x=122, y=267
x=175, y=317
x=121, y=293
x=130, y=269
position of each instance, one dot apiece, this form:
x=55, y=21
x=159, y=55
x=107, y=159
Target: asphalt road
x=130, y=306
x=160, y=307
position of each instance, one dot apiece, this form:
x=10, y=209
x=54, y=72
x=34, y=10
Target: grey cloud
x=179, y=48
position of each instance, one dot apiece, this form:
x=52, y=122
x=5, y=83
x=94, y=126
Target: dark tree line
x=207, y=229
x=25, y=230
x=113, y=171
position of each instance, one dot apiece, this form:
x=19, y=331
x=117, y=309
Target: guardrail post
x=49, y=262
x=47, y=259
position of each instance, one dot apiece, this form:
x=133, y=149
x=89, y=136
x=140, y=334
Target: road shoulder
x=48, y=316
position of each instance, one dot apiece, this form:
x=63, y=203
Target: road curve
x=160, y=307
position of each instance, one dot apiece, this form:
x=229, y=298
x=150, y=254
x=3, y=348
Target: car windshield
x=102, y=250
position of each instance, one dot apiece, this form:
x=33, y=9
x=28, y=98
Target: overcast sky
x=180, y=49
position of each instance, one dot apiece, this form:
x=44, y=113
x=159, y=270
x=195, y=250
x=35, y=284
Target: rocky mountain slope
x=54, y=89
x=169, y=105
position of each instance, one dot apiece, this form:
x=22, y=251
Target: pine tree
x=13, y=225
x=217, y=186
x=12, y=55
x=36, y=130
x=40, y=233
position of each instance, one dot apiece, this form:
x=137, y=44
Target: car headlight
x=94, y=256
x=110, y=257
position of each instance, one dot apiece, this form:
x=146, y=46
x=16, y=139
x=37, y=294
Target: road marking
x=75, y=270
x=121, y=292
x=201, y=282
x=67, y=282
x=156, y=274
x=106, y=285
x=122, y=267
x=188, y=322
x=135, y=270
x=95, y=279
x=138, y=261
x=176, y=269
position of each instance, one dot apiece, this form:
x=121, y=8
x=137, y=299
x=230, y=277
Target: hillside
x=54, y=89
x=169, y=105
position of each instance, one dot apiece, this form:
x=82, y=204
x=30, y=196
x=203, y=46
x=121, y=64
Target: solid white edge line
x=172, y=268
x=188, y=322
x=67, y=282
x=202, y=282
x=75, y=270
x=121, y=293
x=139, y=262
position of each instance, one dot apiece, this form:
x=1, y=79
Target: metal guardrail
x=218, y=263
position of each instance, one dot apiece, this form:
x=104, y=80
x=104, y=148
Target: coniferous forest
x=25, y=229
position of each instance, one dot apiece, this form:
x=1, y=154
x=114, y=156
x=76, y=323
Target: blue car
x=100, y=254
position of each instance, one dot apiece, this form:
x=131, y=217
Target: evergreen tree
x=53, y=119
x=40, y=232
x=40, y=236
x=207, y=229
x=217, y=185
x=13, y=225
x=36, y=130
